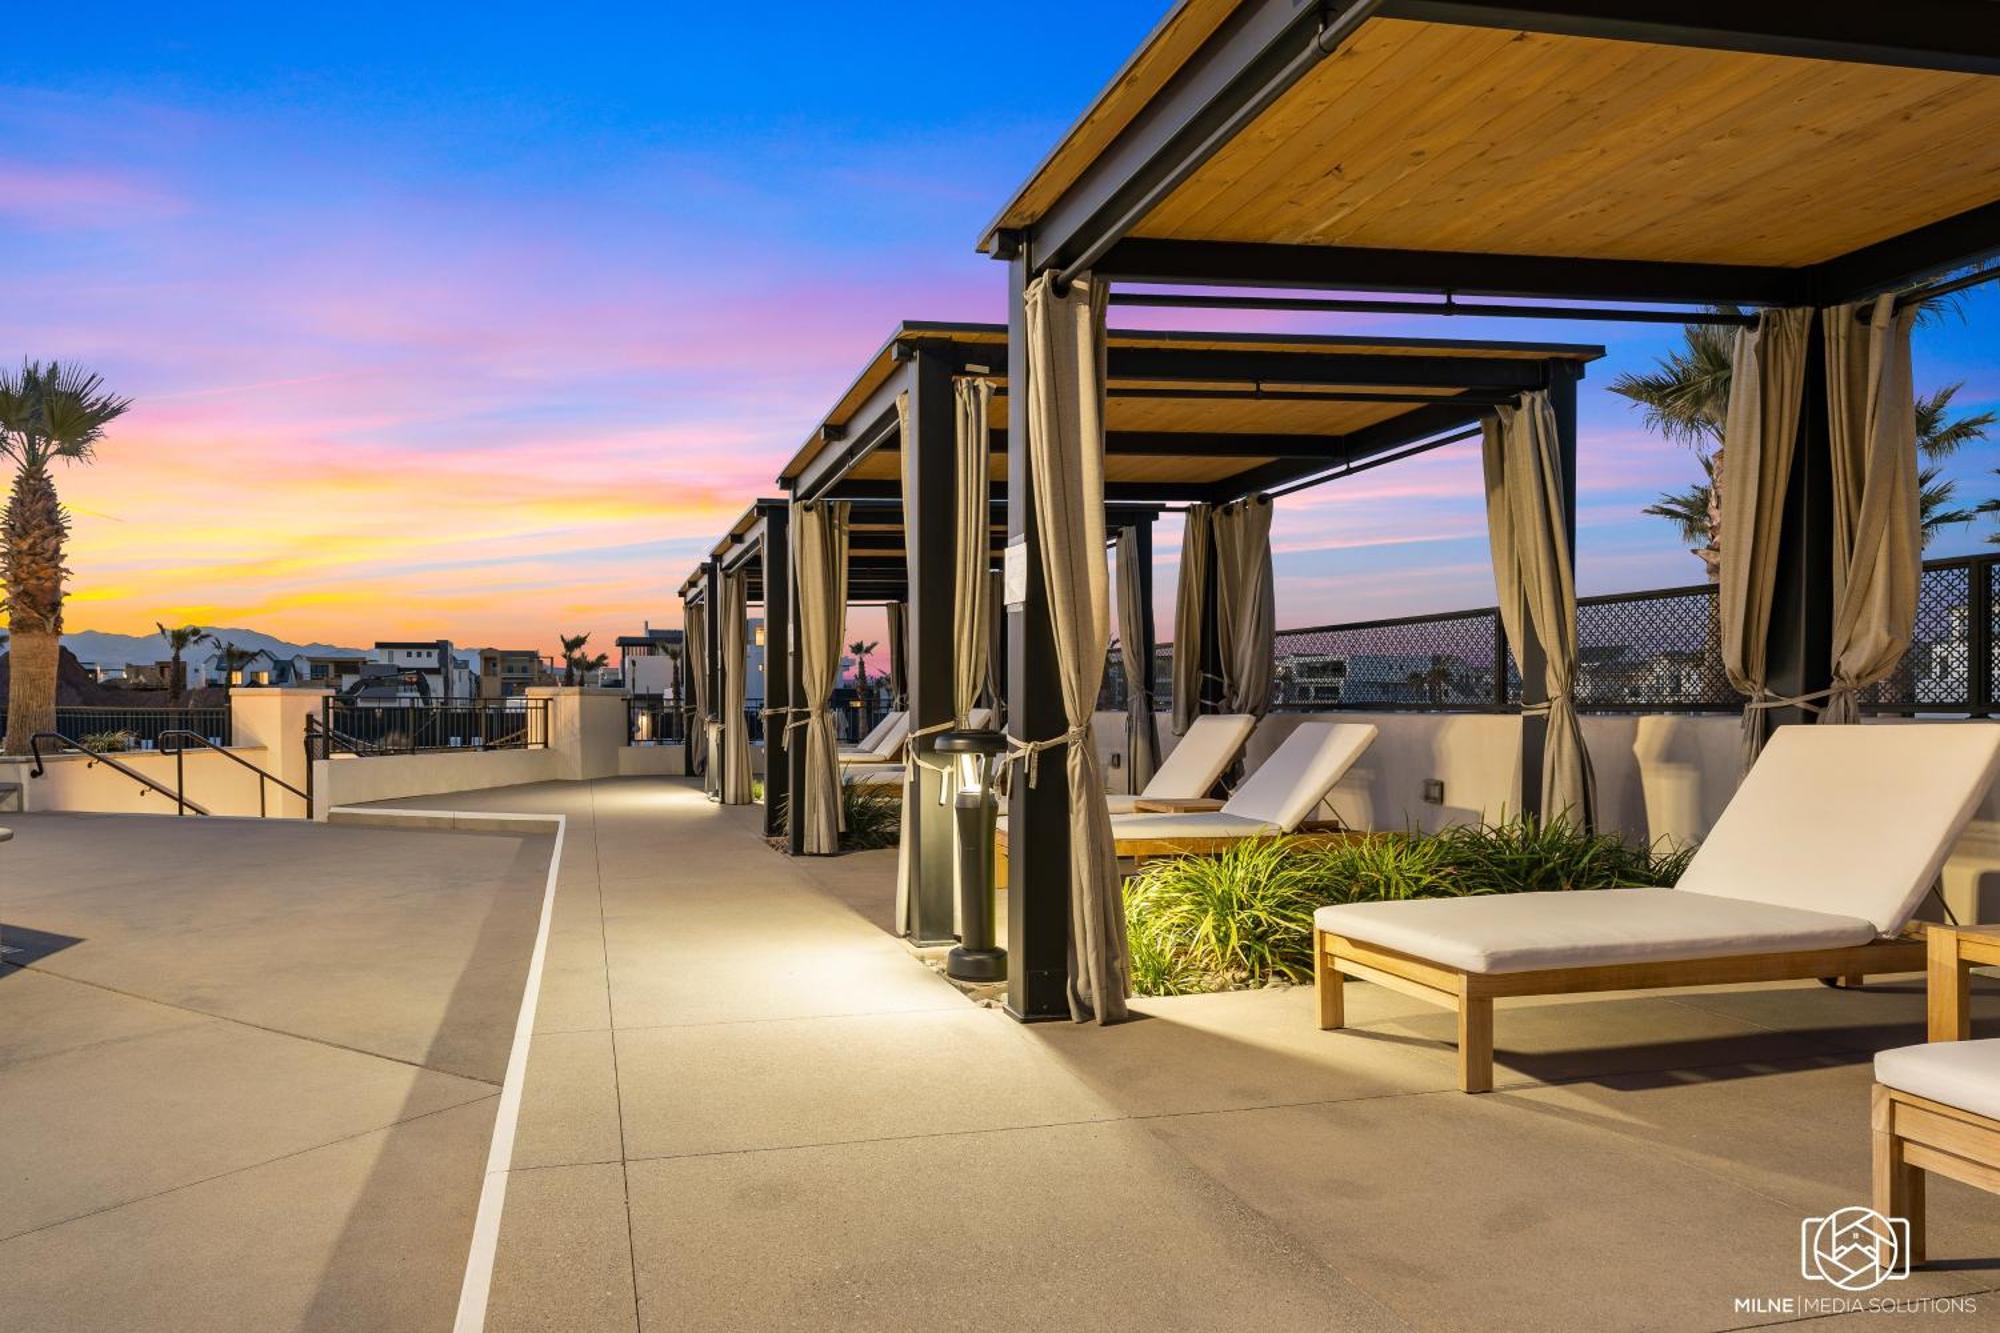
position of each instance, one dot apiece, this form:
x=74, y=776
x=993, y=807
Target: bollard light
x=976, y=756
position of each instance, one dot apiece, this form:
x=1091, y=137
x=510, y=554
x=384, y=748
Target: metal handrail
x=181, y=803
x=180, y=772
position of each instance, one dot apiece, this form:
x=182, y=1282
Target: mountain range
x=118, y=649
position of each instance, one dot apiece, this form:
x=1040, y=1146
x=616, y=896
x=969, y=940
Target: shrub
x=1244, y=918
x=109, y=742
x=873, y=817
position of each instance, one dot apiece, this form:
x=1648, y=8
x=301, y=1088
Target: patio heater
x=975, y=810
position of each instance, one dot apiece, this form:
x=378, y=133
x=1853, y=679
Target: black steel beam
x=1356, y=447
x=1951, y=35
x=1251, y=59
x=1466, y=273
x=873, y=424
x=1971, y=237
x=1132, y=491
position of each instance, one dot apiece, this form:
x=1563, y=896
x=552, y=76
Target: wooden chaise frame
x=1914, y=1134
x=1471, y=994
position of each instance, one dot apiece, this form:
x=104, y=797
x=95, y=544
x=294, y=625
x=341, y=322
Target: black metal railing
x=651, y=719
x=177, y=744
x=1655, y=651
x=415, y=726
x=119, y=728
x=59, y=742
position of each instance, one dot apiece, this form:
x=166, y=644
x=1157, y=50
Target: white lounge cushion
x=1194, y=824
x=1965, y=1074
x=1289, y=785
x=1852, y=821
x=1211, y=742
x=876, y=733
x=872, y=775
x=1523, y=932
x=888, y=743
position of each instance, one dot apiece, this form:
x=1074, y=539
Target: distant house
x=334, y=669
x=248, y=668
x=505, y=672
x=447, y=678
x=649, y=663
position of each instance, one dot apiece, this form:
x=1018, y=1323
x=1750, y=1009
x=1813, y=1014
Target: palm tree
x=1686, y=398
x=576, y=663
x=571, y=645
x=179, y=641
x=860, y=652
x=47, y=412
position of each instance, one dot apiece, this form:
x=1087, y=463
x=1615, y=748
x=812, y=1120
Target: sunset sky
x=480, y=324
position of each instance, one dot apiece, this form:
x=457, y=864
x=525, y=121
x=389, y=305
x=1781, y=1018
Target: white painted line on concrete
x=478, y=1283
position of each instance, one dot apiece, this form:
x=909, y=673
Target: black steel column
x=712, y=598
x=776, y=556
x=1799, y=652
x=795, y=749
x=1037, y=814
x=1145, y=634
x=930, y=502
x=1208, y=689
x=1533, y=662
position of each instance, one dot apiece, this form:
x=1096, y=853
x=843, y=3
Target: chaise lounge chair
x=1212, y=742
x=1275, y=801
x=1815, y=869
x=866, y=771
x=883, y=745
x=1937, y=1107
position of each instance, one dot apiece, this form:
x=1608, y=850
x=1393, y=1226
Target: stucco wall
x=651, y=760
x=73, y=782
x=348, y=780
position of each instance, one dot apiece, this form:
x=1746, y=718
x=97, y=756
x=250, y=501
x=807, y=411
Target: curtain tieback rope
x=1808, y=701
x=1030, y=752
x=914, y=760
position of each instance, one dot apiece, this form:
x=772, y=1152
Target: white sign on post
x=1014, y=574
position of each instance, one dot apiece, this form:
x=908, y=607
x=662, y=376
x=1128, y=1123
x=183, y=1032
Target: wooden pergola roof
x=1195, y=416
x=1785, y=152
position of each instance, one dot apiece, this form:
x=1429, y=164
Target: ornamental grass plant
x=1244, y=917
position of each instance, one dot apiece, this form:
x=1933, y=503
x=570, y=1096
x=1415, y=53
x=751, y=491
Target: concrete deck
x=249, y=1069
x=748, y=1108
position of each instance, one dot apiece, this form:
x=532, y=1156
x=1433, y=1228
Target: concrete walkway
x=749, y=1108
x=248, y=1069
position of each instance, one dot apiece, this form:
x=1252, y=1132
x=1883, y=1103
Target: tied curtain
x=734, y=621
x=819, y=580
x=1527, y=525
x=1190, y=595
x=1759, y=436
x=1245, y=619
x=1065, y=388
x=1877, y=531
x=695, y=645
x=1135, y=646
x=898, y=615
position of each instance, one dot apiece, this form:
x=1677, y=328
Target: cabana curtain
x=1065, y=387
x=734, y=782
x=819, y=577
x=1877, y=532
x=1245, y=618
x=1190, y=594
x=1135, y=646
x=1526, y=522
x=695, y=645
x=899, y=645
x=1759, y=436
x=972, y=585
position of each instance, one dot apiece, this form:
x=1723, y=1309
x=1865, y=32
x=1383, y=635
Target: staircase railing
x=264, y=779
x=178, y=796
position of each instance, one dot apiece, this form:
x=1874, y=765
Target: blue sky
x=481, y=322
